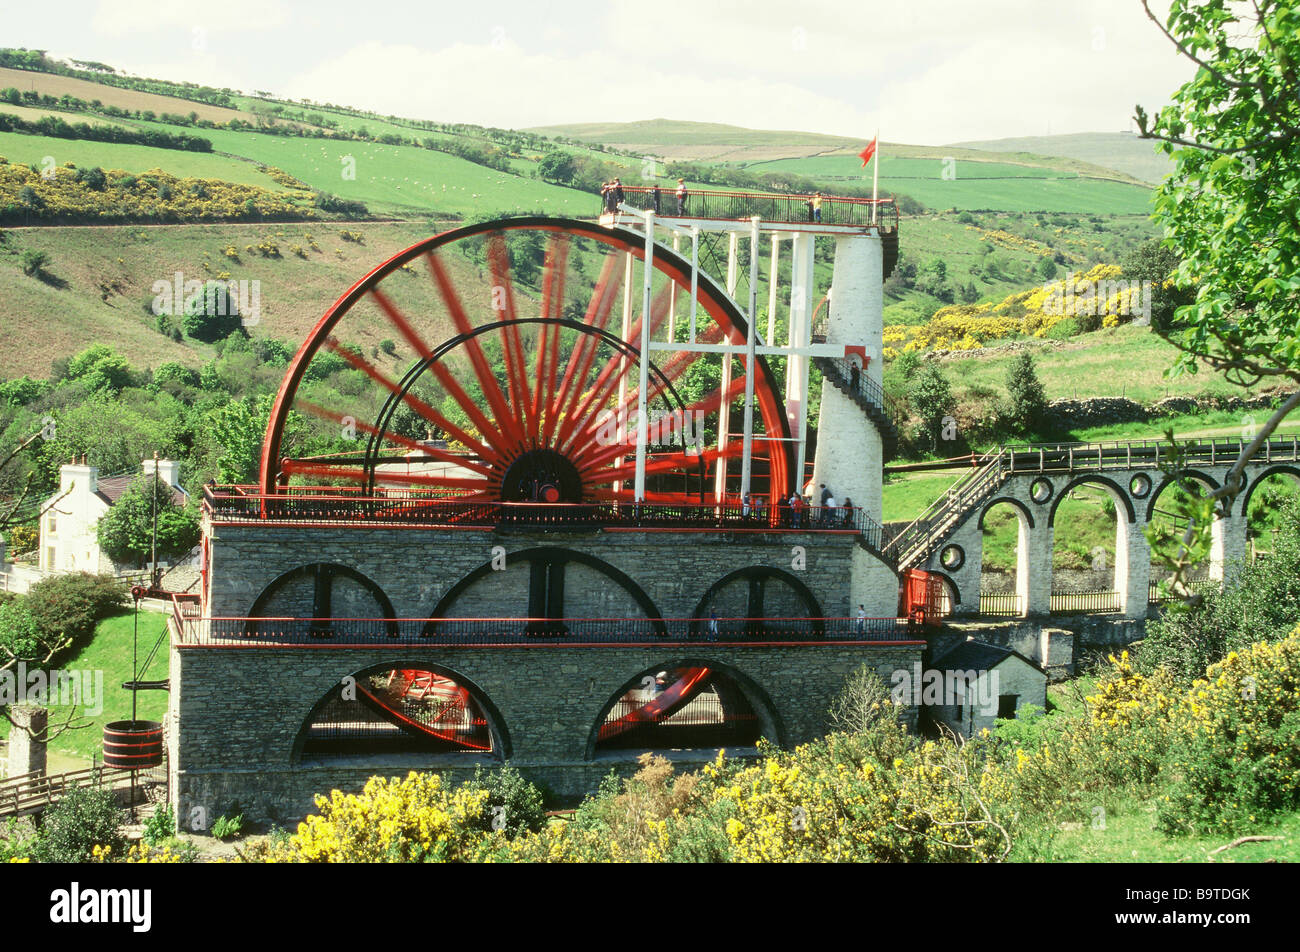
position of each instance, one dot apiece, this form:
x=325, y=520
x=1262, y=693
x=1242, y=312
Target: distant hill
x=675, y=139
x=1122, y=151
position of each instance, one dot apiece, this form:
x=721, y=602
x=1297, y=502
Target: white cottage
x=68, y=529
x=989, y=682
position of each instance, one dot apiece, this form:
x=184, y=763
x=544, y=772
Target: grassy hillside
x=1121, y=151
x=971, y=184
x=103, y=279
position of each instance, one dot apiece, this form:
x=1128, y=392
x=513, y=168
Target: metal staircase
x=868, y=395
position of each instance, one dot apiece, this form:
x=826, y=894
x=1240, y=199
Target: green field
x=109, y=653
x=32, y=150
x=977, y=185
x=397, y=179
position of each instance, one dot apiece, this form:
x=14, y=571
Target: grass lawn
x=1129, y=837
x=32, y=150
x=109, y=654
x=980, y=185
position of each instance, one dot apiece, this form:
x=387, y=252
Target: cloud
x=497, y=83
x=121, y=17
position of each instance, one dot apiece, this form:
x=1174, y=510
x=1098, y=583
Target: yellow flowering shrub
x=391, y=821
x=1236, y=759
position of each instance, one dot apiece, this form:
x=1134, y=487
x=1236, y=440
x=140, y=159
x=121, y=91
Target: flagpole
x=875, y=178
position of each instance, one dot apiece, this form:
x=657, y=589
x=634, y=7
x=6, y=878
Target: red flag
x=866, y=154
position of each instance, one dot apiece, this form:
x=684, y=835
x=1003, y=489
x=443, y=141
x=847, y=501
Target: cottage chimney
x=84, y=476
x=169, y=471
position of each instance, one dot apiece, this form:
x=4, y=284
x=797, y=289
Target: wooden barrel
x=133, y=745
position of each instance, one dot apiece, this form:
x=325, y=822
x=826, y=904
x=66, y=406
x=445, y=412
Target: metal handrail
x=253, y=632
x=789, y=207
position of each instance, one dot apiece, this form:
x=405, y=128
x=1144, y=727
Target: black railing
x=866, y=387
x=246, y=632
x=770, y=206
x=412, y=507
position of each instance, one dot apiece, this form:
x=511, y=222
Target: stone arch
x=951, y=589
x=323, y=577
x=1024, y=510
x=496, y=724
x=1264, y=474
x=1120, y=496
x=553, y=555
x=997, y=603
x=769, y=719
x=757, y=576
x=1204, y=479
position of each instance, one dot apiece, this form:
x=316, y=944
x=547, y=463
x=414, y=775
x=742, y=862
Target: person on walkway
x=828, y=513
x=616, y=192
x=816, y=206
x=855, y=376
x=744, y=507
x=713, y=626
x=758, y=508
x=848, y=512
x=796, y=506
x=826, y=494
x=656, y=198
x=860, y=623
x=606, y=196
x=681, y=196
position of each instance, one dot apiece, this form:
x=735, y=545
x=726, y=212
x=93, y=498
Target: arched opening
x=1004, y=568
x=1266, y=497
x=690, y=704
x=314, y=594
x=1091, y=520
x=736, y=604
x=1169, y=526
x=545, y=588
x=400, y=711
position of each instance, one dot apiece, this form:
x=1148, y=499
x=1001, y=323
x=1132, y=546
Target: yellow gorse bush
x=391, y=821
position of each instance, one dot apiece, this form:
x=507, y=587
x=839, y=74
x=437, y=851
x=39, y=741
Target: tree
x=1028, y=408
x=1230, y=209
x=932, y=397
x=557, y=167
x=101, y=368
x=212, y=315
x=34, y=262
x=126, y=531
x=1157, y=263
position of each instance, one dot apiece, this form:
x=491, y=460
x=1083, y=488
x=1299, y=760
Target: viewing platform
x=335, y=506
x=788, y=212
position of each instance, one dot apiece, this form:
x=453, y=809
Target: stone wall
x=416, y=568
x=235, y=714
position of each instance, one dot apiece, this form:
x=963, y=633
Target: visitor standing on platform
x=681, y=196
x=816, y=206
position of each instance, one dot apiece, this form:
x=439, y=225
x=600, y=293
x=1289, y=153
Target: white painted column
x=849, y=448
x=751, y=356
x=643, y=363
x=624, y=366
x=695, y=277
x=773, y=273
x=1022, y=562
x=672, y=301
x=799, y=334
x=724, y=411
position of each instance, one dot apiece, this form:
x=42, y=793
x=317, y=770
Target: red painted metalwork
x=539, y=407
x=442, y=724
x=674, y=697
x=922, y=596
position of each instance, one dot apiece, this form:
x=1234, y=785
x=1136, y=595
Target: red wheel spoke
x=548, y=344
x=420, y=407
x=660, y=464
x=513, y=437
x=433, y=451
x=584, y=355
x=499, y=262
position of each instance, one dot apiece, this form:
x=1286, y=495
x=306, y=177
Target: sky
x=926, y=72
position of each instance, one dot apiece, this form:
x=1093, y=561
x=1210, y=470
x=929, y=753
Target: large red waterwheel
x=515, y=344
